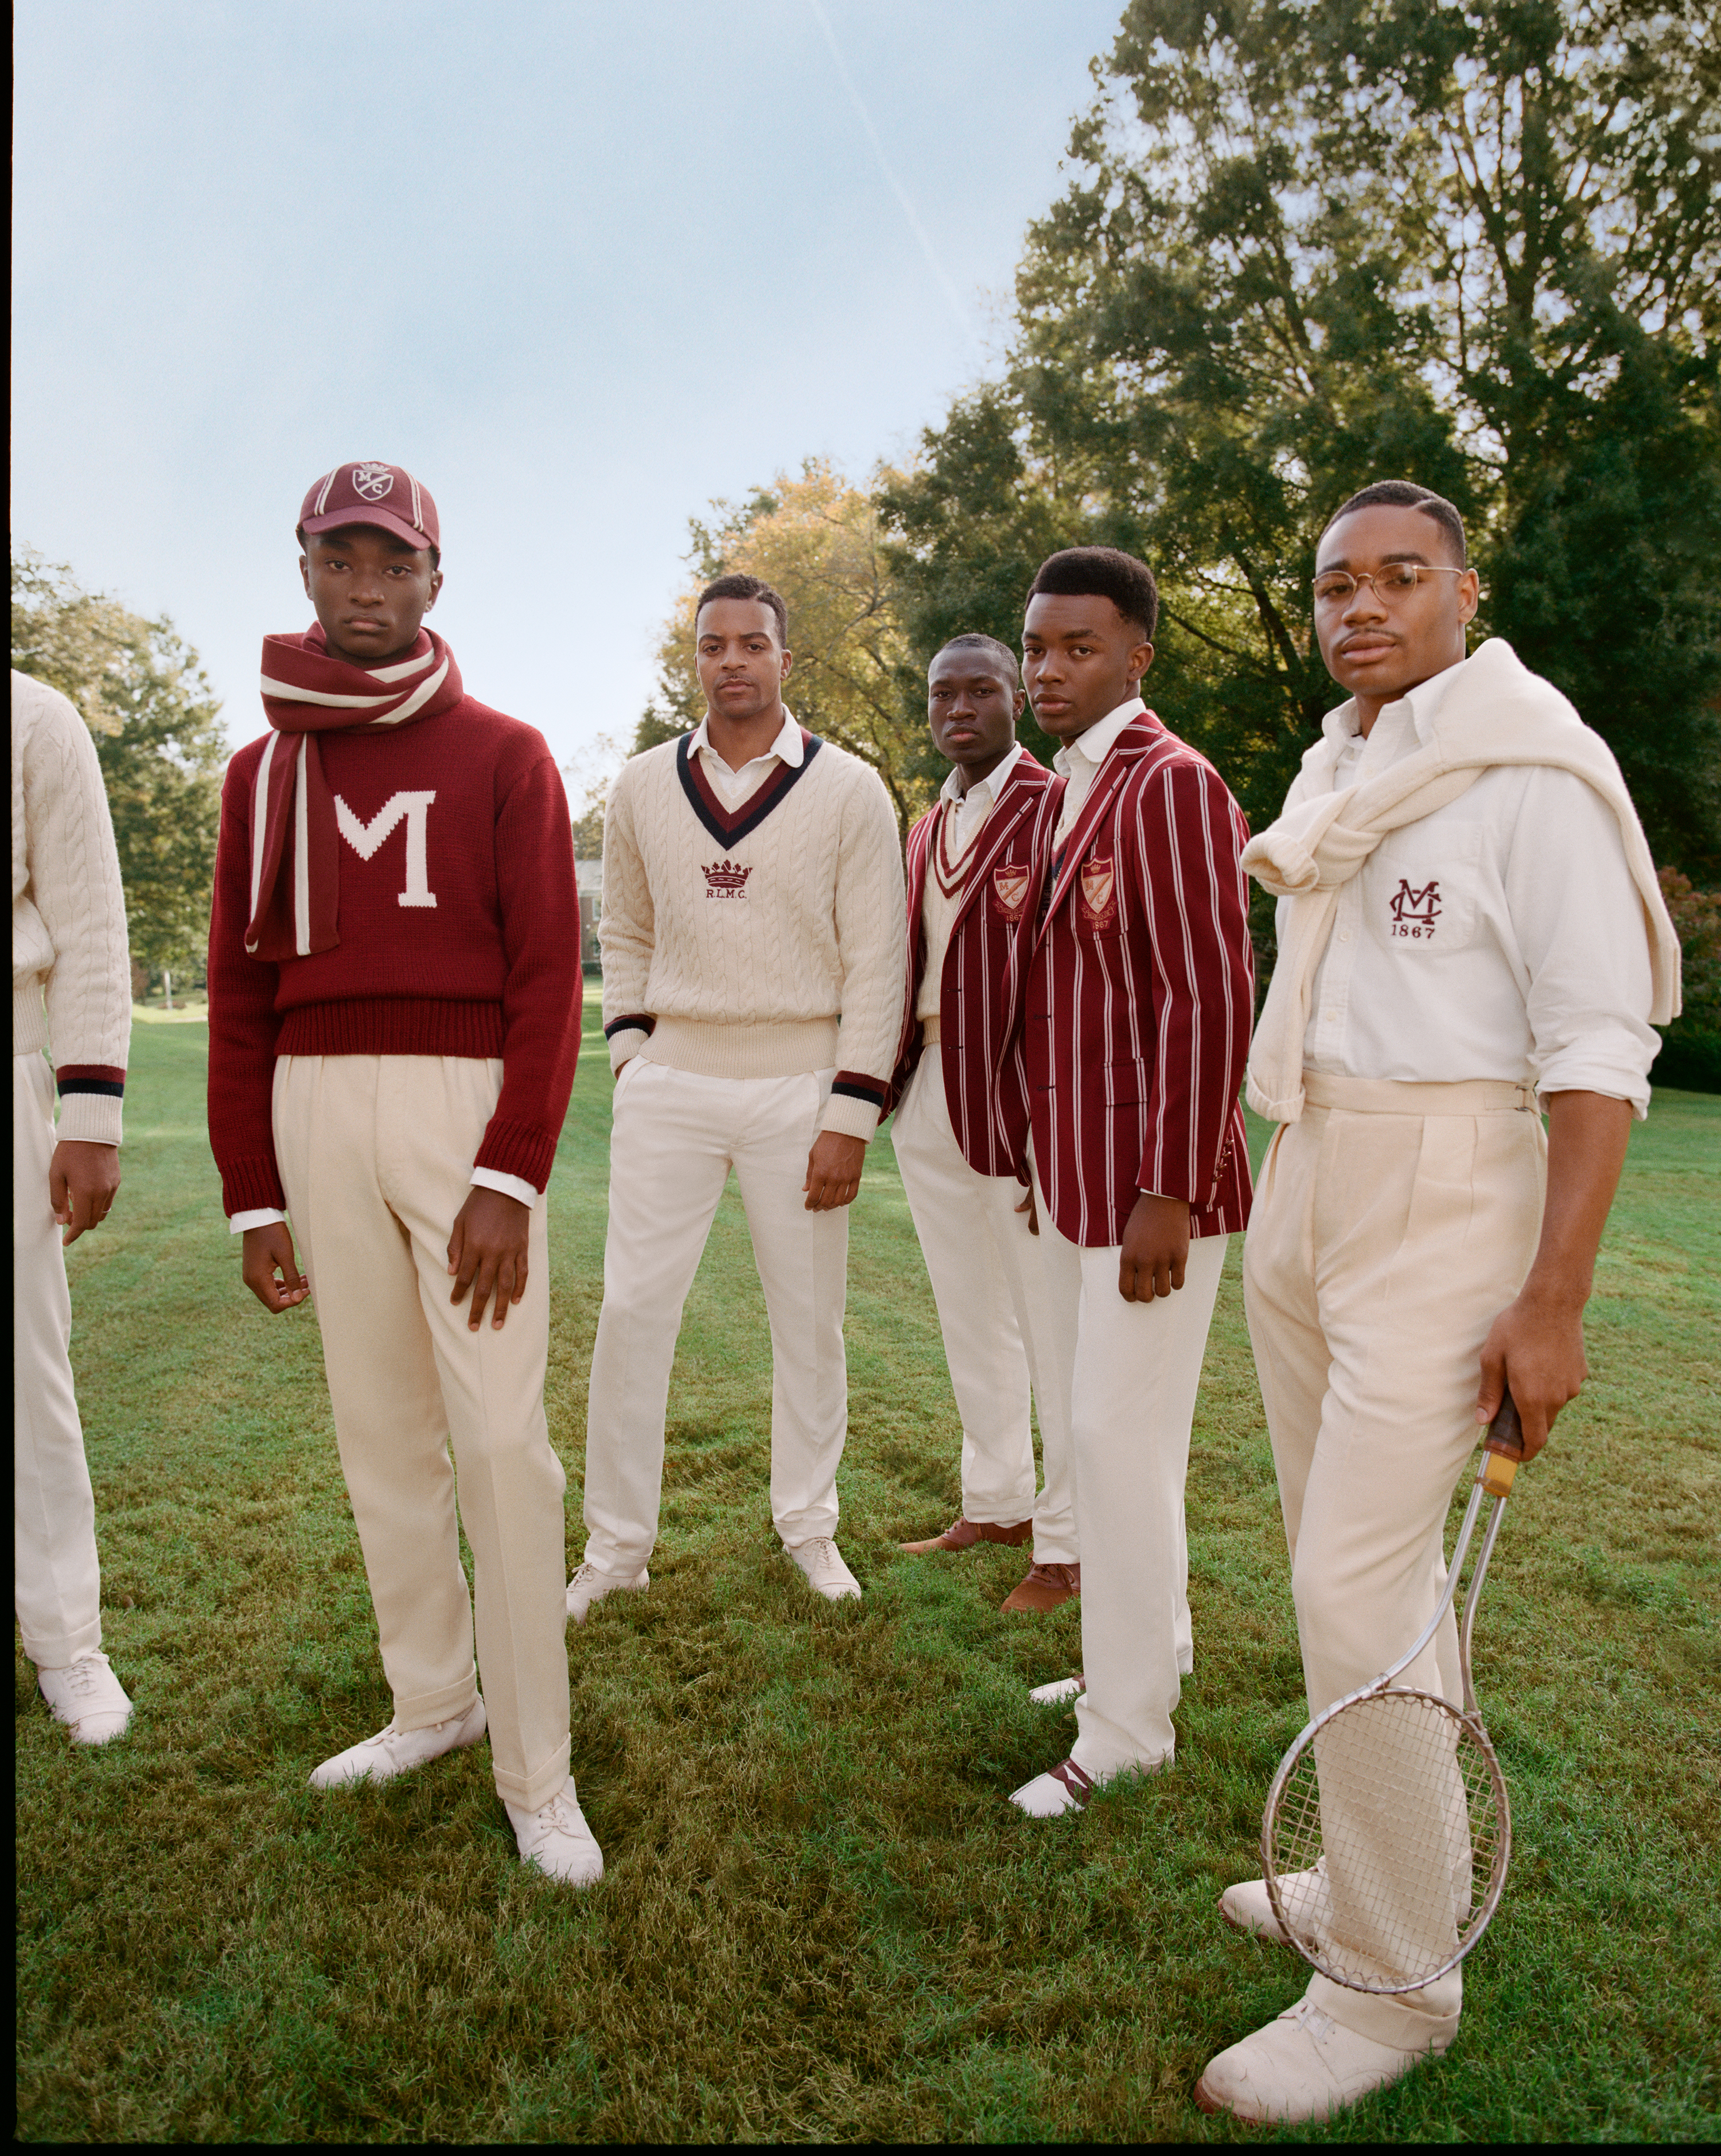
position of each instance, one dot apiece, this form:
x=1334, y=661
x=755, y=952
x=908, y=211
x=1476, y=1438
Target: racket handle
x=1503, y=1448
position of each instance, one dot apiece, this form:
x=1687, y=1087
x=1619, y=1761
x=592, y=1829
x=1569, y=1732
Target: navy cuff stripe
x=640, y=1023
x=114, y=1088
x=860, y=1089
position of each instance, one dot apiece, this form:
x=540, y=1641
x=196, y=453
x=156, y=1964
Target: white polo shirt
x=1501, y=936
x=1078, y=762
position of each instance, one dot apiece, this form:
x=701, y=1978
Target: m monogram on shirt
x=1414, y=911
x=366, y=839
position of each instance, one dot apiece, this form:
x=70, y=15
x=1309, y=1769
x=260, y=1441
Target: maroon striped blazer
x=1140, y=998
x=985, y=966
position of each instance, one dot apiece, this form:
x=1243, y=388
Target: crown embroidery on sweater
x=724, y=879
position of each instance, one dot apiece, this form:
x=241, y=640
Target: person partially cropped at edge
x=1469, y=929
x=1135, y=1030
x=71, y=994
x=752, y=944
x=394, y=993
x=977, y=867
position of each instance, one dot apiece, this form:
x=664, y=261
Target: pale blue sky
x=580, y=267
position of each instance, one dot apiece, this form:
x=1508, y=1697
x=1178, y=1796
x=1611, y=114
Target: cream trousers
x=57, y=1580
x=375, y=1152
x=1131, y=1372
x=1392, y=1224
x=674, y=1137
x=987, y=1281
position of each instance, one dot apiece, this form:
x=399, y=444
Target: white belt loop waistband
x=929, y=1031
x=1394, y=1096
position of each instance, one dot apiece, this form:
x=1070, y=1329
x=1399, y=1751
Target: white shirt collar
x=991, y=786
x=788, y=745
x=1342, y=727
x=1097, y=744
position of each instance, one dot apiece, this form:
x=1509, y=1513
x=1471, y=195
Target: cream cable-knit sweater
x=762, y=956
x=71, y=973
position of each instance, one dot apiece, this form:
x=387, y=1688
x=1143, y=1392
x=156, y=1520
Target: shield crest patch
x=1097, y=884
x=1009, y=891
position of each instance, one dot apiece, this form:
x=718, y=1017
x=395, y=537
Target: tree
x=1312, y=245
x=817, y=539
x=158, y=738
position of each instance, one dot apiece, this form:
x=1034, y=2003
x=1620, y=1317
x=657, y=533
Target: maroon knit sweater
x=491, y=968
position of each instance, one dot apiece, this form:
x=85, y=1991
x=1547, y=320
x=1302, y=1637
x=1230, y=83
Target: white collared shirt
x=733, y=788
x=965, y=819
x=1079, y=762
x=1500, y=936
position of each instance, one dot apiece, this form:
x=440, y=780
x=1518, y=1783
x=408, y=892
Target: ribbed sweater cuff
x=88, y=1118
x=850, y=1118
x=515, y=1149
x=251, y=1186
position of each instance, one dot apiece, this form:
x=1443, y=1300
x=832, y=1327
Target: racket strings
x=1388, y=1840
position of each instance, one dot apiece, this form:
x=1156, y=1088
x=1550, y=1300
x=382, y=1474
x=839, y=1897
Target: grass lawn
x=820, y=1919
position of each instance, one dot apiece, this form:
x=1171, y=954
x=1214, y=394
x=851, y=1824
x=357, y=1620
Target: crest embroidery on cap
x=1009, y=889
x=724, y=879
x=1097, y=884
x=371, y=482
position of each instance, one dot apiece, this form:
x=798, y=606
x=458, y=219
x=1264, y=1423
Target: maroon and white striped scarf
x=295, y=844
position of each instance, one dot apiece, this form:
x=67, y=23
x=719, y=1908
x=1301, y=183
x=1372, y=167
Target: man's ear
x=787, y=661
x=1140, y=659
x=1019, y=704
x=435, y=587
x=305, y=572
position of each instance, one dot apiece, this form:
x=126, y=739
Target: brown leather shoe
x=965, y=1533
x=1046, y=1587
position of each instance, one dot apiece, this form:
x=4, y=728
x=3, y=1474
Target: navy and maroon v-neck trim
x=729, y=825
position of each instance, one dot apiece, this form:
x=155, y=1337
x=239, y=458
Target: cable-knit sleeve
x=627, y=927
x=872, y=943
x=72, y=892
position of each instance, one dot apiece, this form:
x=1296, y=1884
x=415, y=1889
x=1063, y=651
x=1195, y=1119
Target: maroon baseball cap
x=382, y=495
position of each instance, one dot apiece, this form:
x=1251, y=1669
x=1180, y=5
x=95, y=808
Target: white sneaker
x=88, y=1698
x=557, y=1840
x=393, y=1751
x=1059, y=1691
x=1247, y=1907
x=589, y=1585
x=1303, y=2066
x=821, y=1561
x=1066, y=1789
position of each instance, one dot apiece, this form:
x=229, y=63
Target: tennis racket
x=1387, y=1830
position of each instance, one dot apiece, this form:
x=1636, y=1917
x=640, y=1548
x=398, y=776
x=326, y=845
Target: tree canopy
x=158, y=737
x=817, y=539
x=1309, y=246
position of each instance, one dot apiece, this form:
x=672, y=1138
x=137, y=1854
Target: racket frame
x=1493, y=1480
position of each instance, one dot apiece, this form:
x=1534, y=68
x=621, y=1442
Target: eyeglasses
x=1391, y=584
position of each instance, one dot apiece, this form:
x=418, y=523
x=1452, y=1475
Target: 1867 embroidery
x=724, y=880
x=1097, y=884
x=1413, y=911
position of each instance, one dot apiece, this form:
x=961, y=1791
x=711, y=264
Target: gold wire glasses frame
x=1397, y=581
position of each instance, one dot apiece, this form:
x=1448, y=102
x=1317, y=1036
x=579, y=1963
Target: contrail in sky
x=952, y=295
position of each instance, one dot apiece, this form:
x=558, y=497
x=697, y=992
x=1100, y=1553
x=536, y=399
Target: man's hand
x=1156, y=1248
x=833, y=1169
x=1536, y=1344
x=486, y=1252
x=268, y=1252
x=1031, y=1209
x=1539, y=1344
x=82, y=1179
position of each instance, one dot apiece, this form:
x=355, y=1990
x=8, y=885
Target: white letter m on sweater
x=365, y=839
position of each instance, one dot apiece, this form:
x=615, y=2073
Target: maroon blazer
x=1140, y=992
x=985, y=966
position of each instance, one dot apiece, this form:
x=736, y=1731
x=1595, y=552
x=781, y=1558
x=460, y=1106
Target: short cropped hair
x=739, y=587
x=1103, y=572
x=1405, y=494
x=971, y=639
